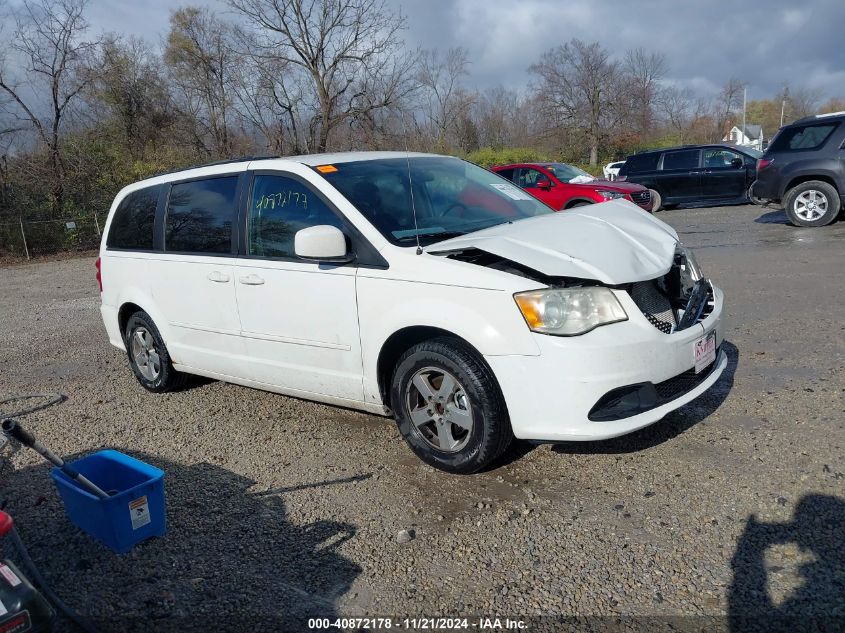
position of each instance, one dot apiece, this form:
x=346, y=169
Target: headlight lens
x=569, y=311
x=610, y=195
x=691, y=264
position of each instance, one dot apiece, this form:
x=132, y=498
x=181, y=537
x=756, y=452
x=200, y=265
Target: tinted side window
x=200, y=216
x=132, y=224
x=716, y=158
x=279, y=207
x=506, y=173
x=640, y=162
x=804, y=137
x=686, y=159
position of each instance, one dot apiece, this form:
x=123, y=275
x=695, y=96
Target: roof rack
x=225, y=161
x=817, y=117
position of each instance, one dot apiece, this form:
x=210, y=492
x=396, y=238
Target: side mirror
x=322, y=243
x=736, y=163
x=543, y=183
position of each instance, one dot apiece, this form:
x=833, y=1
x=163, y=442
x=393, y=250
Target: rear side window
x=639, y=163
x=200, y=216
x=132, y=225
x=686, y=159
x=803, y=137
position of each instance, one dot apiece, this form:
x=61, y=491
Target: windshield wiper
x=440, y=235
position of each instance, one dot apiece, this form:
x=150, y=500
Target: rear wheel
x=449, y=407
x=578, y=204
x=148, y=356
x=656, y=201
x=812, y=203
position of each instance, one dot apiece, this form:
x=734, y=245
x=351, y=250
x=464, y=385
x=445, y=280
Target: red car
x=563, y=186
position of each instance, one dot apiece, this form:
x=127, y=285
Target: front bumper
x=550, y=396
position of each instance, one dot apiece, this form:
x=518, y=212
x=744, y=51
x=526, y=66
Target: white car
x=611, y=170
x=411, y=285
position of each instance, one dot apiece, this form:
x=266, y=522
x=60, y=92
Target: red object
x=99, y=265
x=541, y=181
x=762, y=163
x=6, y=524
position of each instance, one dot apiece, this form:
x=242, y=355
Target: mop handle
x=16, y=431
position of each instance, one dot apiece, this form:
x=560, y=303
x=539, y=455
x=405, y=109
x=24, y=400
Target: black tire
x=490, y=432
x=578, y=204
x=656, y=201
x=166, y=378
x=760, y=202
x=792, y=203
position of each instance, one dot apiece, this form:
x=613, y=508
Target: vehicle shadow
x=669, y=427
x=818, y=603
x=230, y=560
x=777, y=216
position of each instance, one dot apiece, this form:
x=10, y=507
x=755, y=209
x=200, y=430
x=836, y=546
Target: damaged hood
x=613, y=242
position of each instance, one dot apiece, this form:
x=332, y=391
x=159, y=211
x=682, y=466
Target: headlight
x=689, y=263
x=569, y=311
x=610, y=195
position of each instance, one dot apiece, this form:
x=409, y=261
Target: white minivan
x=412, y=285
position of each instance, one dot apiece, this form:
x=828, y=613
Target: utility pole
x=744, y=99
x=783, y=103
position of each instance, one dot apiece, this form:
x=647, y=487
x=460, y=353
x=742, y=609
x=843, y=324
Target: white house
x=751, y=136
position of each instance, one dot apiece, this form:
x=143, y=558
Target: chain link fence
x=34, y=237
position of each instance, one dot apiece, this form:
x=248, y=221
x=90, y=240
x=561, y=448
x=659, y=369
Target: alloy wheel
x=145, y=354
x=810, y=205
x=439, y=409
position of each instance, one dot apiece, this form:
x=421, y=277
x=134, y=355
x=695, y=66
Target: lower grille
x=681, y=384
x=641, y=197
x=654, y=305
x=625, y=402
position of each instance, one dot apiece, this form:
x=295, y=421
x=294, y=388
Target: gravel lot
x=280, y=509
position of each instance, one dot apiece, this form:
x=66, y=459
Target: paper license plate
x=705, y=352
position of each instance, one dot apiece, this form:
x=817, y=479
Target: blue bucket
x=134, y=511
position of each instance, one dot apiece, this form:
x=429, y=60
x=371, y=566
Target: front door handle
x=218, y=277
x=252, y=280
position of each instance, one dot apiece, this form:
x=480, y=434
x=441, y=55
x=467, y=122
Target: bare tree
x=444, y=102
x=200, y=55
x=48, y=43
x=676, y=104
x=579, y=86
x=643, y=72
x=348, y=51
x=495, y=110
x=727, y=102
x=802, y=102
x=128, y=86
x=270, y=100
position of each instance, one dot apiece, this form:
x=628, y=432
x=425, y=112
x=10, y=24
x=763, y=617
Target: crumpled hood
x=613, y=242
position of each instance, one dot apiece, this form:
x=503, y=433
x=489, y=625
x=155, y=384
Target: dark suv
x=693, y=173
x=804, y=167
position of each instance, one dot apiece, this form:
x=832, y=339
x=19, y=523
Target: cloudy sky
x=764, y=43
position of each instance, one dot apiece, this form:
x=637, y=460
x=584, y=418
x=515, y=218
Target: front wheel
x=656, y=201
x=760, y=202
x=812, y=203
x=449, y=407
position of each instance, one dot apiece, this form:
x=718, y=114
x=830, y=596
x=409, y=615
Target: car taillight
x=99, y=265
x=762, y=163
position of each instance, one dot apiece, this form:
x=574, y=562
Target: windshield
x=753, y=153
x=451, y=197
x=568, y=173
